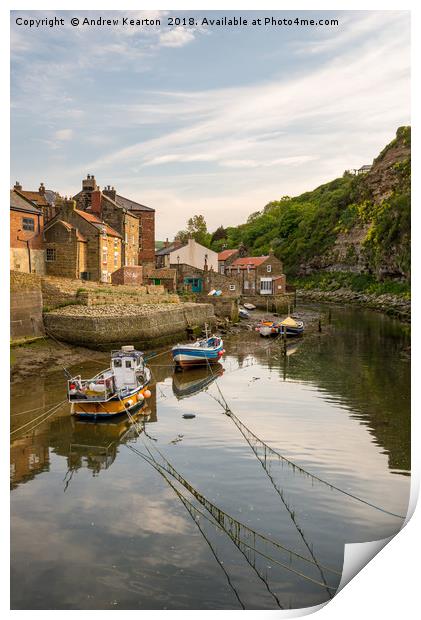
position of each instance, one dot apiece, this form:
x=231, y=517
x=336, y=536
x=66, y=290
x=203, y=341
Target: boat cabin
x=128, y=367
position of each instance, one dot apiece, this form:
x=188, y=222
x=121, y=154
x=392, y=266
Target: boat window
x=117, y=363
x=128, y=364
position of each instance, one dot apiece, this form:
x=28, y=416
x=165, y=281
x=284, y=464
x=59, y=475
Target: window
x=50, y=255
x=265, y=286
x=246, y=284
x=269, y=268
x=232, y=287
x=115, y=259
x=128, y=364
x=117, y=363
x=104, y=256
x=28, y=223
x=115, y=244
x=221, y=269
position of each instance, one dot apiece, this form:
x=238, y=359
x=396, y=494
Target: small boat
x=248, y=306
x=291, y=326
x=119, y=389
x=186, y=384
x=243, y=313
x=267, y=328
x=205, y=351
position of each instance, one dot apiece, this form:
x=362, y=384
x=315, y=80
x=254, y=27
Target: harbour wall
x=25, y=306
x=107, y=327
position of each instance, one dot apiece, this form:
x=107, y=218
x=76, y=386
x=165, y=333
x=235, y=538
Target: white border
x=388, y=586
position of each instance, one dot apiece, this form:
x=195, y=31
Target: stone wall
x=106, y=327
x=271, y=303
x=58, y=292
x=25, y=305
x=223, y=307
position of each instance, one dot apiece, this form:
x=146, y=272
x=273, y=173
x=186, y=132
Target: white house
x=193, y=254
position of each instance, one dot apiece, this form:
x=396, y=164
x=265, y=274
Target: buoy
x=147, y=393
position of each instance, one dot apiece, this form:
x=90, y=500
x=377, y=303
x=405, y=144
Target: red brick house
x=45, y=199
x=135, y=222
x=26, y=227
x=260, y=275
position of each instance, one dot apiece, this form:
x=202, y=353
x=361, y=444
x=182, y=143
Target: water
x=97, y=526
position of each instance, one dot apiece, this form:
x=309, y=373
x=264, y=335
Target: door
x=195, y=283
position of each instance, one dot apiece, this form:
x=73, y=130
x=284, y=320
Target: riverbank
x=394, y=305
x=45, y=355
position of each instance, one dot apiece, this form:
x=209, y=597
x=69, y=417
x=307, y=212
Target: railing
x=100, y=388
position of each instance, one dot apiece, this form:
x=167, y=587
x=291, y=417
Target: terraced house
x=133, y=221
x=79, y=244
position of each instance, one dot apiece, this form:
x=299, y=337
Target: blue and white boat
x=202, y=352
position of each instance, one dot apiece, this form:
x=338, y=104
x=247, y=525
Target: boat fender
x=147, y=393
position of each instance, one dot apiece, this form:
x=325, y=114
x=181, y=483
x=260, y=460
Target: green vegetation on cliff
x=358, y=224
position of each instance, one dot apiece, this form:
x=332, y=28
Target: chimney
x=110, y=192
x=17, y=186
x=89, y=184
x=166, y=243
x=41, y=189
x=67, y=207
x=96, y=202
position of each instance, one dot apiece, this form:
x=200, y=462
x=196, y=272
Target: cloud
x=176, y=38
x=63, y=134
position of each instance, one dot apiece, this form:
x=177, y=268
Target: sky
x=215, y=120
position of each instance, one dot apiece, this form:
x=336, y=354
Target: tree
x=197, y=230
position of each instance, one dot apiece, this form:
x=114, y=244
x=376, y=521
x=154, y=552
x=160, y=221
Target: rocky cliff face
x=373, y=233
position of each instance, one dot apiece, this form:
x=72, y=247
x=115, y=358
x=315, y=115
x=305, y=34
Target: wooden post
x=284, y=339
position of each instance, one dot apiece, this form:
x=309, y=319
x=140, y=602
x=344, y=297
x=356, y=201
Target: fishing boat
x=186, y=384
x=205, y=351
x=248, y=306
x=119, y=389
x=291, y=327
x=267, y=328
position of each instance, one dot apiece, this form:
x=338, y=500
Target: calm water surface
x=199, y=513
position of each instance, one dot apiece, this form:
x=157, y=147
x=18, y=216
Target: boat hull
x=188, y=357
x=113, y=407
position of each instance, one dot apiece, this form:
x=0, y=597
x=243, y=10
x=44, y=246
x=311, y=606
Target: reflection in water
x=190, y=382
x=264, y=537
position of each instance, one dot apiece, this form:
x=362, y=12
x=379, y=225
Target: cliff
x=357, y=225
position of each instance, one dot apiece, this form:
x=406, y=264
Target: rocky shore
x=393, y=305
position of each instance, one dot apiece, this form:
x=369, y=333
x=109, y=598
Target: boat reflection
x=186, y=384
x=95, y=446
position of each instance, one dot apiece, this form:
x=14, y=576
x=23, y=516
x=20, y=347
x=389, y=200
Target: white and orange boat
x=119, y=389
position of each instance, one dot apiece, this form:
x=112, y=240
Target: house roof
x=162, y=274
x=253, y=261
x=95, y=221
x=35, y=197
x=20, y=203
x=68, y=227
x=226, y=254
x=130, y=205
x=176, y=245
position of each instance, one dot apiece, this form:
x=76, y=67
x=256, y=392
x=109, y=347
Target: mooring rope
x=223, y=518
x=53, y=411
